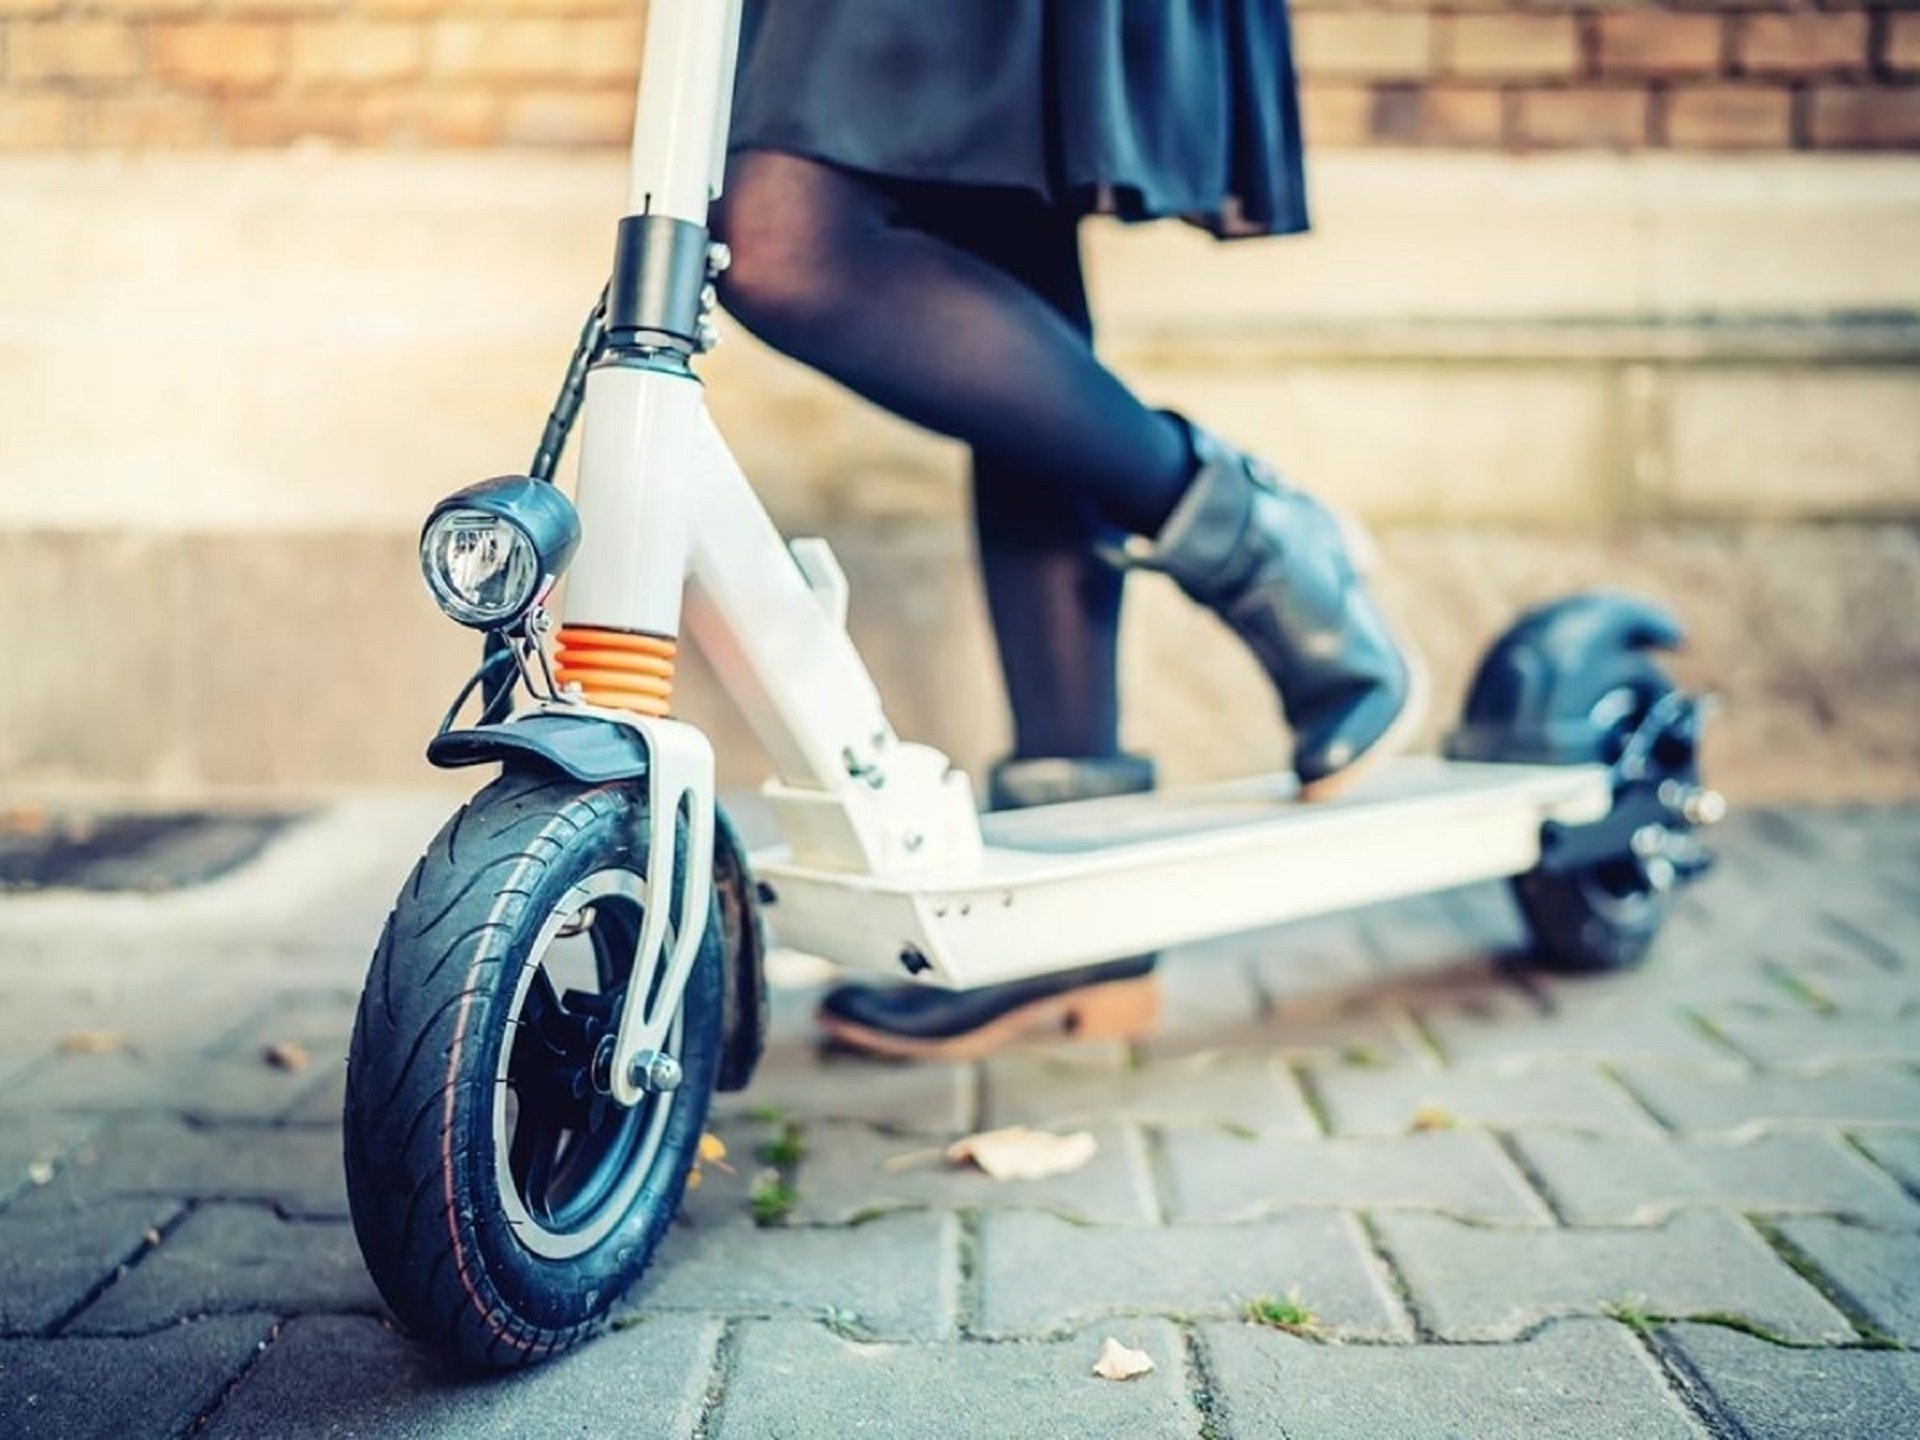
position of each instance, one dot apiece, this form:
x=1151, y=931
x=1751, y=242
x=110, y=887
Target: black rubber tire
x=1578, y=930
x=419, y=1136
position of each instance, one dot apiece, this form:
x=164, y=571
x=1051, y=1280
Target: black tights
x=964, y=310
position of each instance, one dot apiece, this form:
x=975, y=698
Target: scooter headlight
x=491, y=550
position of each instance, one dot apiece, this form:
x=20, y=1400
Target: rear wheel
x=502, y=1200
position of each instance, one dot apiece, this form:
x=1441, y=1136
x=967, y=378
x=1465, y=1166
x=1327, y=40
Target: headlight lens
x=482, y=568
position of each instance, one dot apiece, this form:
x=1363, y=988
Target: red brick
x=607, y=49
x=1510, y=46
x=28, y=7
x=1902, y=45
x=1361, y=43
x=1804, y=44
x=1730, y=117
x=1659, y=42
x=1865, y=117
x=502, y=49
x=145, y=9
x=36, y=120
x=275, y=9
x=219, y=55
x=568, y=117
x=356, y=51
x=274, y=120
x=1437, y=115
x=71, y=50
x=1335, y=115
x=148, y=121
x=1583, y=117
x=431, y=116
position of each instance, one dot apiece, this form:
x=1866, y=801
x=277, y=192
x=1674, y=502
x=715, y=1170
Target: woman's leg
x=1055, y=604
x=824, y=270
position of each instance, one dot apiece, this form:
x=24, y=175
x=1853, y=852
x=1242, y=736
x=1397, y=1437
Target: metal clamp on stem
x=657, y=298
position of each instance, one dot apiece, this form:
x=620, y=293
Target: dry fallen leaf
x=1121, y=1362
x=1019, y=1152
x=94, y=1042
x=1430, y=1116
x=152, y=1237
x=289, y=1055
x=713, y=1151
x=693, y=1178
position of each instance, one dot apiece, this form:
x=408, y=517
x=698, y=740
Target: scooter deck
x=1062, y=885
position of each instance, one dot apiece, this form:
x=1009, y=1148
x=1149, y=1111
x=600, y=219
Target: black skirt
x=1140, y=108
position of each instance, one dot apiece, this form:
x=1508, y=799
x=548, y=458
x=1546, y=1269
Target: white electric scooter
x=575, y=965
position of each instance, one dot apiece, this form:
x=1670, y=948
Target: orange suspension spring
x=616, y=669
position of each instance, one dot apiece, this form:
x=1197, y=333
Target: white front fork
x=658, y=489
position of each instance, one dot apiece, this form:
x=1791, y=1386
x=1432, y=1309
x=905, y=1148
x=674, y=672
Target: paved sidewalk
x=1676, y=1203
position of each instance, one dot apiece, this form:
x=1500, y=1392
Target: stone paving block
x=1040, y=1274
x=796, y=1079
x=1237, y=1090
x=892, y=1278
x=320, y=1020
x=1813, y=1043
x=850, y=1172
x=1722, y=1104
x=646, y=1380
x=1512, y=1035
x=1311, y=959
x=186, y=1015
x=230, y=1087
x=299, y=1170
x=1781, y=1394
x=1876, y=1269
x=1850, y=984
x=156, y=1384
x=324, y=1100
x=232, y=1258
x=54, y=1251
x=33, y=1147
x=1575, y=1380
x=1206, y=992
x=1226, y=1177
x=795, y=1381
x=1609, y=1181
x=1898, y=1153
x=1386, y=1100
x=1699, y=1263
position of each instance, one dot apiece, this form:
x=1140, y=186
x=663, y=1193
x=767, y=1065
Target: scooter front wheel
x=503, y=1201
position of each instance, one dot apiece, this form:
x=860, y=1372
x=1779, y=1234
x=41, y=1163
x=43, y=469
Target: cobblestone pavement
x=1681, y=1202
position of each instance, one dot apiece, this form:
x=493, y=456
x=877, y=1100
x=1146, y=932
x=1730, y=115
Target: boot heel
x=1119, y=1010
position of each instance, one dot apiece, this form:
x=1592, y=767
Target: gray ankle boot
x=1274, y=564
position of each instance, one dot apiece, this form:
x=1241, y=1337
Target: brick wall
x=1472, y=74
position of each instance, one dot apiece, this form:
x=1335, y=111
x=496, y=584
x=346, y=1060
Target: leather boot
x=1281, y=570
x=1118, y=999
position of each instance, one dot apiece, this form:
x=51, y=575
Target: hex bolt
x=655, y=1071
x=1704, y=806
x=719, y=257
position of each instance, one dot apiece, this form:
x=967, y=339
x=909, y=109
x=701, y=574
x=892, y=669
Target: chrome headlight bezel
x=543, y=531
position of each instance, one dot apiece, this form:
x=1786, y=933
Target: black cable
x=499, y=649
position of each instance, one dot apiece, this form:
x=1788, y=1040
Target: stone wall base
x=196, y=664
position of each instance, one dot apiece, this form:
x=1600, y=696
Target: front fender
x=584, y=746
